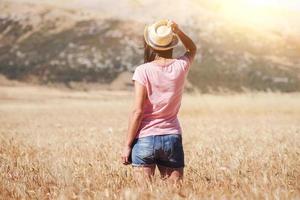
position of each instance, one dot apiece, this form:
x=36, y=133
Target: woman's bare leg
x=143, y=173
x=175, y=175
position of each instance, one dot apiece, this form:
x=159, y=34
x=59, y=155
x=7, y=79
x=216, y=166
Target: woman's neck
x=164, y=54
x=157, y=57
x=161, y=61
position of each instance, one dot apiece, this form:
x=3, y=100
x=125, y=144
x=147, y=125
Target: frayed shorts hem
x=142, y=165
x=170, y=167
x=151, y=165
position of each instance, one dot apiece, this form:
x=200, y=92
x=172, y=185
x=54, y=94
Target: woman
x=154, y=133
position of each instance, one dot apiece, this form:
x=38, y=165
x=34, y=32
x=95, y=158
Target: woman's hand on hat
x=174, y=26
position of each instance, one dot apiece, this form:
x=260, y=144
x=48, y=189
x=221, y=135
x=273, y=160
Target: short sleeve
x=139, y=75
x=186, y=62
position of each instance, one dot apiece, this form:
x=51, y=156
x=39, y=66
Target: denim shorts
x=163, y=150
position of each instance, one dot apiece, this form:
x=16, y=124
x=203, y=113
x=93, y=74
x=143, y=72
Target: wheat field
x=61, y=144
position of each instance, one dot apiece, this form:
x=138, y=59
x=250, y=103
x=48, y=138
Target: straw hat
x=160, y=36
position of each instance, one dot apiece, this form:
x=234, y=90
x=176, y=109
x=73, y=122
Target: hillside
x=49, y=44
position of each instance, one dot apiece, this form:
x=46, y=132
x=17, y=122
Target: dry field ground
x=57, y=144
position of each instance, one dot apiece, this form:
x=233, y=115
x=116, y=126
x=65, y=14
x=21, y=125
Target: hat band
x=153, y=43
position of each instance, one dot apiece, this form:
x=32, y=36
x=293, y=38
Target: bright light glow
x=258, y=12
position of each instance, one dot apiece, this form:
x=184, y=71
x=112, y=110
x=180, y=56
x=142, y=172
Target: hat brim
x=160, y=48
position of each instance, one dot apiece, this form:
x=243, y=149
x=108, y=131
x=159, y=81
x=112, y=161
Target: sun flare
x=259, y=12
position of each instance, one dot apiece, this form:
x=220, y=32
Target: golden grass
x=66, y=145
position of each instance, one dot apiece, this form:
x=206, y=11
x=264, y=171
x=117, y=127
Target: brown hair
x=150, y=53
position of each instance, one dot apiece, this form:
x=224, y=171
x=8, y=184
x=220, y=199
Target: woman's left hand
x=174, y=26
x=125, y=155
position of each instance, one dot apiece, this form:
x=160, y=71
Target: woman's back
x=164, y=84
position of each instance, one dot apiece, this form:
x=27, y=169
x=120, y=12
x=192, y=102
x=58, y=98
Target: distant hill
x=45, y=44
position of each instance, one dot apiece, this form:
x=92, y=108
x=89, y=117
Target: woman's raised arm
x=186, y=40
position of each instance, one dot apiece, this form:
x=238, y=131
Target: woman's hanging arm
x=135, y=118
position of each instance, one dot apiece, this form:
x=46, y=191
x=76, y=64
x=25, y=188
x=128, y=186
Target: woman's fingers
x=173, y=25
x=125, y=160
x=125, y=155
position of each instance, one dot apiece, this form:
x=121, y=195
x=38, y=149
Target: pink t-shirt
x=164, y=86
